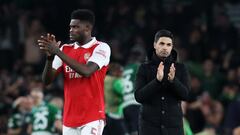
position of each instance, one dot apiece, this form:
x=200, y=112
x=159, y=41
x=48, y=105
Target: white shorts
x=91, y=128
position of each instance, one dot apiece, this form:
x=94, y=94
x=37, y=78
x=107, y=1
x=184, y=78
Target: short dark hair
x=163, y=33
x=160, y=33
x=84, y=15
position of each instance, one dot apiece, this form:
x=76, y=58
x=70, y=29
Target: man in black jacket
x=161, y=85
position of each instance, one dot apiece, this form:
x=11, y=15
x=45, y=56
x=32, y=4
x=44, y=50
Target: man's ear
x=89, y=26
x=154, y=45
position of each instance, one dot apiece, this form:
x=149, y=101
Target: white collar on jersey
x=87, y=45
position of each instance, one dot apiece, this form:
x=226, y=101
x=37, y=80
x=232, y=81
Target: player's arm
x=83, y=69
x=49, y=73
x=58, y=117
x=58, y=125
x=99, y=58
x=49, y=44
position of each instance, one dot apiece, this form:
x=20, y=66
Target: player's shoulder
x=102, y=43
x=52, y=106
x=67, y=45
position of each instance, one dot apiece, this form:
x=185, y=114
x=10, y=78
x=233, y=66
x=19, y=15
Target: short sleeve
x=101, y=55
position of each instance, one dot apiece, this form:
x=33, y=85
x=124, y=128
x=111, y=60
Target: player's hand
x=171, y=74
x=18, y=101
x=49, y=44
x=160, y=72
x=58, y=125
x=40, y=43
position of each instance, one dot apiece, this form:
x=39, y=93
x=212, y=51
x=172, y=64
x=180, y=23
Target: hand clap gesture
x=160, y=72
x=49, y=44
x=171, y=73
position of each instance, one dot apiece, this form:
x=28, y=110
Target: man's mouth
x=165, y=53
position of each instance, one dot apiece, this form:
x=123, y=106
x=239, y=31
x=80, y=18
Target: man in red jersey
x=84, y=64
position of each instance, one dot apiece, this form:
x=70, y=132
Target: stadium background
x=207, y=40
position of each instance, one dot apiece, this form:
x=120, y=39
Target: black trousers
x=114, y=127
x=131, y=116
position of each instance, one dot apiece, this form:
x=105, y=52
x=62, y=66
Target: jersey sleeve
x=57, y=113
x=57, y=62
x=101, y=55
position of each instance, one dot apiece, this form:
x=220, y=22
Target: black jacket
x=161, y=101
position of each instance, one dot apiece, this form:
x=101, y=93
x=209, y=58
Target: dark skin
x=80, y=31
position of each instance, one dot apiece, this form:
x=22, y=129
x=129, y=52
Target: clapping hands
x=160, y=72
x=49, y=44
x=171, y=73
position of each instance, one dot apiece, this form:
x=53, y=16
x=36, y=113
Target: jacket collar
x=170, y=59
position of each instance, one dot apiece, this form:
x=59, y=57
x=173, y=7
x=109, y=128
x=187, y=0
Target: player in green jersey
x=130, y=106
x=44, y=115
x=113, y=86
x=20, y=117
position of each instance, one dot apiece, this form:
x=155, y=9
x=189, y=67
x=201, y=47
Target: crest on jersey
x=87, y=56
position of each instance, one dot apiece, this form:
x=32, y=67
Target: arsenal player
x=84, y=64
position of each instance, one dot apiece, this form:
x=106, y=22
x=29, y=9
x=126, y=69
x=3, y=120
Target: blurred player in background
x=20, y=118
x=113, y=87
x=130, y=106
x=46, y=119
x=84, y=64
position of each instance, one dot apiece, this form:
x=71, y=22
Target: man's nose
x=71, y=29
x=164, y=48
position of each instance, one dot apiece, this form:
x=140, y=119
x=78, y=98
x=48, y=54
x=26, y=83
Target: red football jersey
x=83, y=96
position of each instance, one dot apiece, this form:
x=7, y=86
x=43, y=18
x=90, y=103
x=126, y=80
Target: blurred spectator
x=20, y=119
x=196, y=89
x=229, y=94
x=113, y=87
x=57, y=101
x=196, y=45
x=46, y=118
x=211, y=78
x=130, y=106
x=33, y=56
x=213, y=113
x=186, y=125
x=193, y=108
x=195, y=116
x=232, y=120
x=224, y=35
